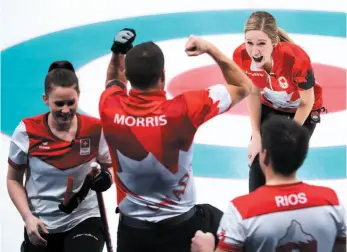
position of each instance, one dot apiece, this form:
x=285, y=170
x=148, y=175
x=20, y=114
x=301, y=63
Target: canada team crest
x=283, y=82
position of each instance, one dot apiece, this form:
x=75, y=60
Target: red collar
x=142, y=103
x=139, y=96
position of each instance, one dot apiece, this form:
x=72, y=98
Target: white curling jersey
x=285, y=218
x=50, y=161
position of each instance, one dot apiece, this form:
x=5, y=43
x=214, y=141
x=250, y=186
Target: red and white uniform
x=150, y=140
x=291, y=72
x=296, y=217
x=50, y=161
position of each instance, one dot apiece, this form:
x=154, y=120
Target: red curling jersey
x=283, y=218
x=50, y=161
x=150, y=141
x=291, y=72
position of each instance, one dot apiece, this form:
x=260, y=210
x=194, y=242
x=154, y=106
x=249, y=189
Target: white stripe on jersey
x=220, y=93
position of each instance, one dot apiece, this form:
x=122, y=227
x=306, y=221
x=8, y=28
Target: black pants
x=162, y=236
x=256, y=176
x=87, y=236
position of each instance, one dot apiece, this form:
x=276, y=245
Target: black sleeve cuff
x=116, y=82
x=310, y=81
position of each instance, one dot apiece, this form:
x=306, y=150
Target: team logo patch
x=85, y=146
x=283, y=82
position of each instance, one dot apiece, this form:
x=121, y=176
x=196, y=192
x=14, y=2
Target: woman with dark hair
x=55, y=151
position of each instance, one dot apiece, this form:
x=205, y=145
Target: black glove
x=72, y=200
x=102, y=180
x=123, y=41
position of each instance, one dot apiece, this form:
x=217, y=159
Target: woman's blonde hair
x=264, y=21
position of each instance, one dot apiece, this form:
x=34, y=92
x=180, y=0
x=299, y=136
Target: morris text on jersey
x=149, y=121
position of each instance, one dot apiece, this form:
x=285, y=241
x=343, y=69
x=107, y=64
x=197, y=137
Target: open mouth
x=258, y=59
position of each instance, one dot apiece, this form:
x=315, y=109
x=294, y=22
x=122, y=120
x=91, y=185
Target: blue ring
x=24, y=67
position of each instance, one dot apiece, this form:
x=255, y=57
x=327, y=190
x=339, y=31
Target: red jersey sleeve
x=302, y=72
x=203, y=105
x=114, y=87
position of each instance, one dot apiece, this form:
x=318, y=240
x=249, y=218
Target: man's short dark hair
x=144, y=65
x=286, y=143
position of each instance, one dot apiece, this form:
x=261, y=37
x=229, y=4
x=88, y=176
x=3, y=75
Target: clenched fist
x=203, y=242
x=196, y=46
x=123, y=41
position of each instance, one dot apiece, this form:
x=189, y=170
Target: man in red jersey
x=285, y=214
x=151, y=143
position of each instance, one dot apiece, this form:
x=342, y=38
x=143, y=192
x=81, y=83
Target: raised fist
x=196, y=46
x=123, y=41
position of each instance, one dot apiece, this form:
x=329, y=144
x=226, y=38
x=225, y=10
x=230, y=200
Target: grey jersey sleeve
x=231, y=232
x=341, y=224
x=19, y=146
x=103, y=153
